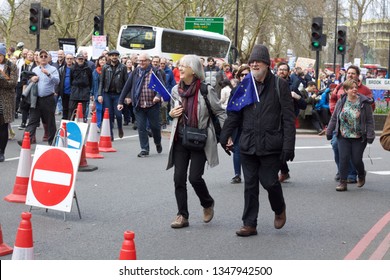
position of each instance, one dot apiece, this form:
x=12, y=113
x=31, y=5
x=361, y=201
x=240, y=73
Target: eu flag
x=245, y=94
x=156, y=85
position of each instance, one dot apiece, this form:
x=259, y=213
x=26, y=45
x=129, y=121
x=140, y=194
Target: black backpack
x=217, y=126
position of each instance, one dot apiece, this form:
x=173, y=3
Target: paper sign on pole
x=99, y=44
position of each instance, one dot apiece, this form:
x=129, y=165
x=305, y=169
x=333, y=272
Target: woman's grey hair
x=194, y=62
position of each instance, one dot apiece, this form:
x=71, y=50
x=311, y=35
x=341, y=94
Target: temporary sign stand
x=52, y=178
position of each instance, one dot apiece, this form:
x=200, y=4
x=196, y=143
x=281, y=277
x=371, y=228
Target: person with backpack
x=192, y=111
x=267, y=138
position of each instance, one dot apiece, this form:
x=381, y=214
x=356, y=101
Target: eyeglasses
x=143, y=60
x=43, y=56
x=282, y=69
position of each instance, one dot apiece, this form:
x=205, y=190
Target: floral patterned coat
x=7, y=91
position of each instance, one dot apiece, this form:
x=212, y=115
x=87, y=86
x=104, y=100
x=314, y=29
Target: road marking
x=380, y=172
x=362, y=245
x=52, y=177
x=329, y=160
x=382, y=249
x=313, y=147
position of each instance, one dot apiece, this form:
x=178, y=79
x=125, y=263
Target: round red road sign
x=52, y=177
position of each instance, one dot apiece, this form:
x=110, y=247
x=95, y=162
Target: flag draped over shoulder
x=156, y=85
x=245, y=94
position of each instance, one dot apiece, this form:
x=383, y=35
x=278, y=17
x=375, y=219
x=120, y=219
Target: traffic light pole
x=318, y=68
x=342, y=61
x=102, y=17
x=38, y=41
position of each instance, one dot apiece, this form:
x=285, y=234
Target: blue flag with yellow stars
x=246, y=94
x=156, y=85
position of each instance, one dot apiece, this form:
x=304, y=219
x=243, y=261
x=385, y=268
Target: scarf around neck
x=189, y=97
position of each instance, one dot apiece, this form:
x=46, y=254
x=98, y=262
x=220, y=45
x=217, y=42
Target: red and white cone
x=128, y=251
x=62, y=140
x=79, y=113
x=92, y=145
x=24, y=248
x=105, y=144
x=19, y=192
x=4, y=248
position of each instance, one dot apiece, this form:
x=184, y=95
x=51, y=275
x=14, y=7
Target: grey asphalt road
x=130, y=193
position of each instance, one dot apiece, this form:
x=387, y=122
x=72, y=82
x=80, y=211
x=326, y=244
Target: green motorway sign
x=207, y=24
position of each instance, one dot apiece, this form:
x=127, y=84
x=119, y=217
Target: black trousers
x=351, y=149
x=45, y=109
x=3, y=135
x=263, y=169
x=65, y=106
x=183, y=158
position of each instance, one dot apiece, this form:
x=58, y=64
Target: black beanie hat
x=260, y=53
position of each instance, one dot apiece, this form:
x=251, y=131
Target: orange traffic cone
x=79, y=114
x=92, y=145
x=24, y=248
x=4, y=248
x=128, y=247
x=105, y=144
x=62, y=139
x=19, y=192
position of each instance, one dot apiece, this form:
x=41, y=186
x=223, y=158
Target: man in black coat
x=267, y=140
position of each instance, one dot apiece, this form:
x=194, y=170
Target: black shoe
x=150, y=133
x=143, y=154
x=22, y=126
x=337, y=177
x=159, y=148
x=16, y=115
x=120, y=132
x=2, y=158
x=126, y=123
x=235, y=180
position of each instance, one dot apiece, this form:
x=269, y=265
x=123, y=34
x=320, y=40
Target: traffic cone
x=92, y=145
x=84, y=166
x=79, y=113
x=24, y=248
x=128, y=251
x=62, y=138
x=105, y=144
x=4, y=248
x=19, y=192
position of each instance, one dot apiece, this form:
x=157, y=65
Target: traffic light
x=316, y=34
x=35, y=13
x=45, y=21
x=341, y=40
x=97, y=25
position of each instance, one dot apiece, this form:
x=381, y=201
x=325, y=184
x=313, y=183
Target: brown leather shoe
x=120, y=132
x=361, y=180
x=280, y=219
x=208, y=213
x=246, y=231
x=283, y=177
x=342, y=187
x=180, y=222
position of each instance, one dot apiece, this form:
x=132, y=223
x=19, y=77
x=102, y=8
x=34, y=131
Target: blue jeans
x=236, y=151
x=99, y=113
x=149, y=115
x=110, y=101
x=351, y=170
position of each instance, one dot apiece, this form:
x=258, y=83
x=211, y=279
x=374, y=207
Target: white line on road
x=325, y=160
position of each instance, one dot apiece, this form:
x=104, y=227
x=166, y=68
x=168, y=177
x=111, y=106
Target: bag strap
x=278, y=92
x=204, y=91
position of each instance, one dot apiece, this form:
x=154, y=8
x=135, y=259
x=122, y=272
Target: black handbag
x=194, y=138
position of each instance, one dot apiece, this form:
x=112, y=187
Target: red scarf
x=190, y=102
x=99, y=70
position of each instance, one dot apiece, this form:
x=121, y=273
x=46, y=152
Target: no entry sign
x=52, y=178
